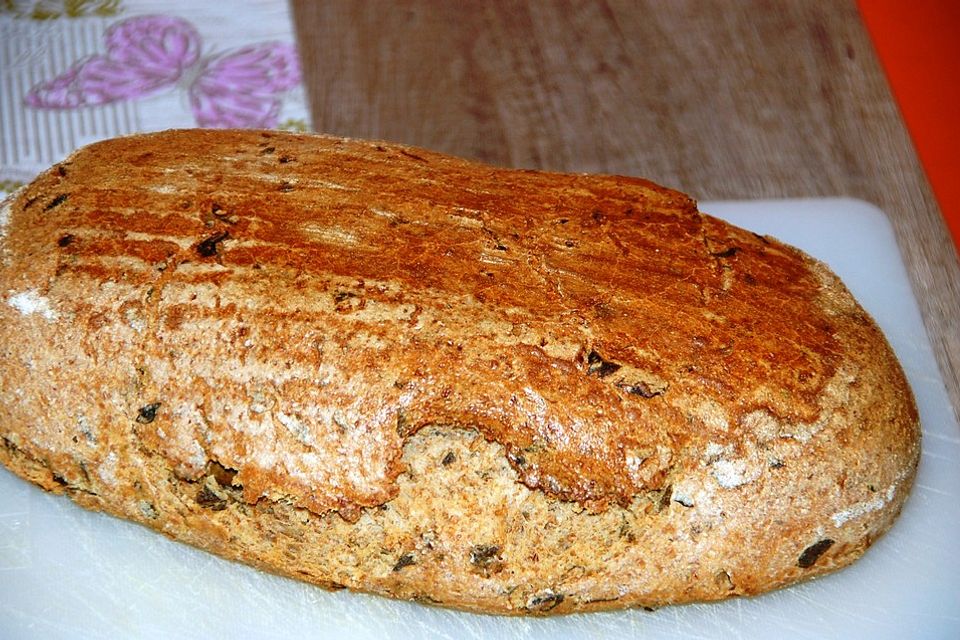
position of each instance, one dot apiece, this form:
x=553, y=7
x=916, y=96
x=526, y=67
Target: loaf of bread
x=375, y=367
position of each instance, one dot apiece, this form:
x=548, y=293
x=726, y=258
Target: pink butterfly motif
x=145, y=55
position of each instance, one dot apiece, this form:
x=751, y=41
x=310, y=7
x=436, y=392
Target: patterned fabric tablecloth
x=76, y=71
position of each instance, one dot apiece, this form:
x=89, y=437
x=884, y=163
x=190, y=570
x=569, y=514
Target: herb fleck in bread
x=376, y=367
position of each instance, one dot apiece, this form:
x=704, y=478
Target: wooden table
x=724, y=100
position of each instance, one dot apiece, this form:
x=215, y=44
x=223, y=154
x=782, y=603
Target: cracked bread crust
x=377, y=367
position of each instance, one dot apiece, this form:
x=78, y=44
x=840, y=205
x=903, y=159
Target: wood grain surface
x=723, y=100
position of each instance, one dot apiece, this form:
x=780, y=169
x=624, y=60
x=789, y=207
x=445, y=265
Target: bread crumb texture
x=380, y=368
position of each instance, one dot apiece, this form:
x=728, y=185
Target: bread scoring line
x=863, y=508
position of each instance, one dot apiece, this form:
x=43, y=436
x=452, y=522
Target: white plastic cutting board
x=69, y=573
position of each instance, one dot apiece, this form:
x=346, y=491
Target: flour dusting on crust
x=29, y=302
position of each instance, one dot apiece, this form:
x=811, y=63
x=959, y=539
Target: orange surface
x=918, y=42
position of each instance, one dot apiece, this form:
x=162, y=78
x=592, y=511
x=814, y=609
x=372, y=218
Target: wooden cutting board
x=69, y=573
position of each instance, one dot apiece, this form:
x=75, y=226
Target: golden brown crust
x=277, y=324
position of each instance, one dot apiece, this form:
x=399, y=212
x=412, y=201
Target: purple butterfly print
x=241, y=88
x=144, y=55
